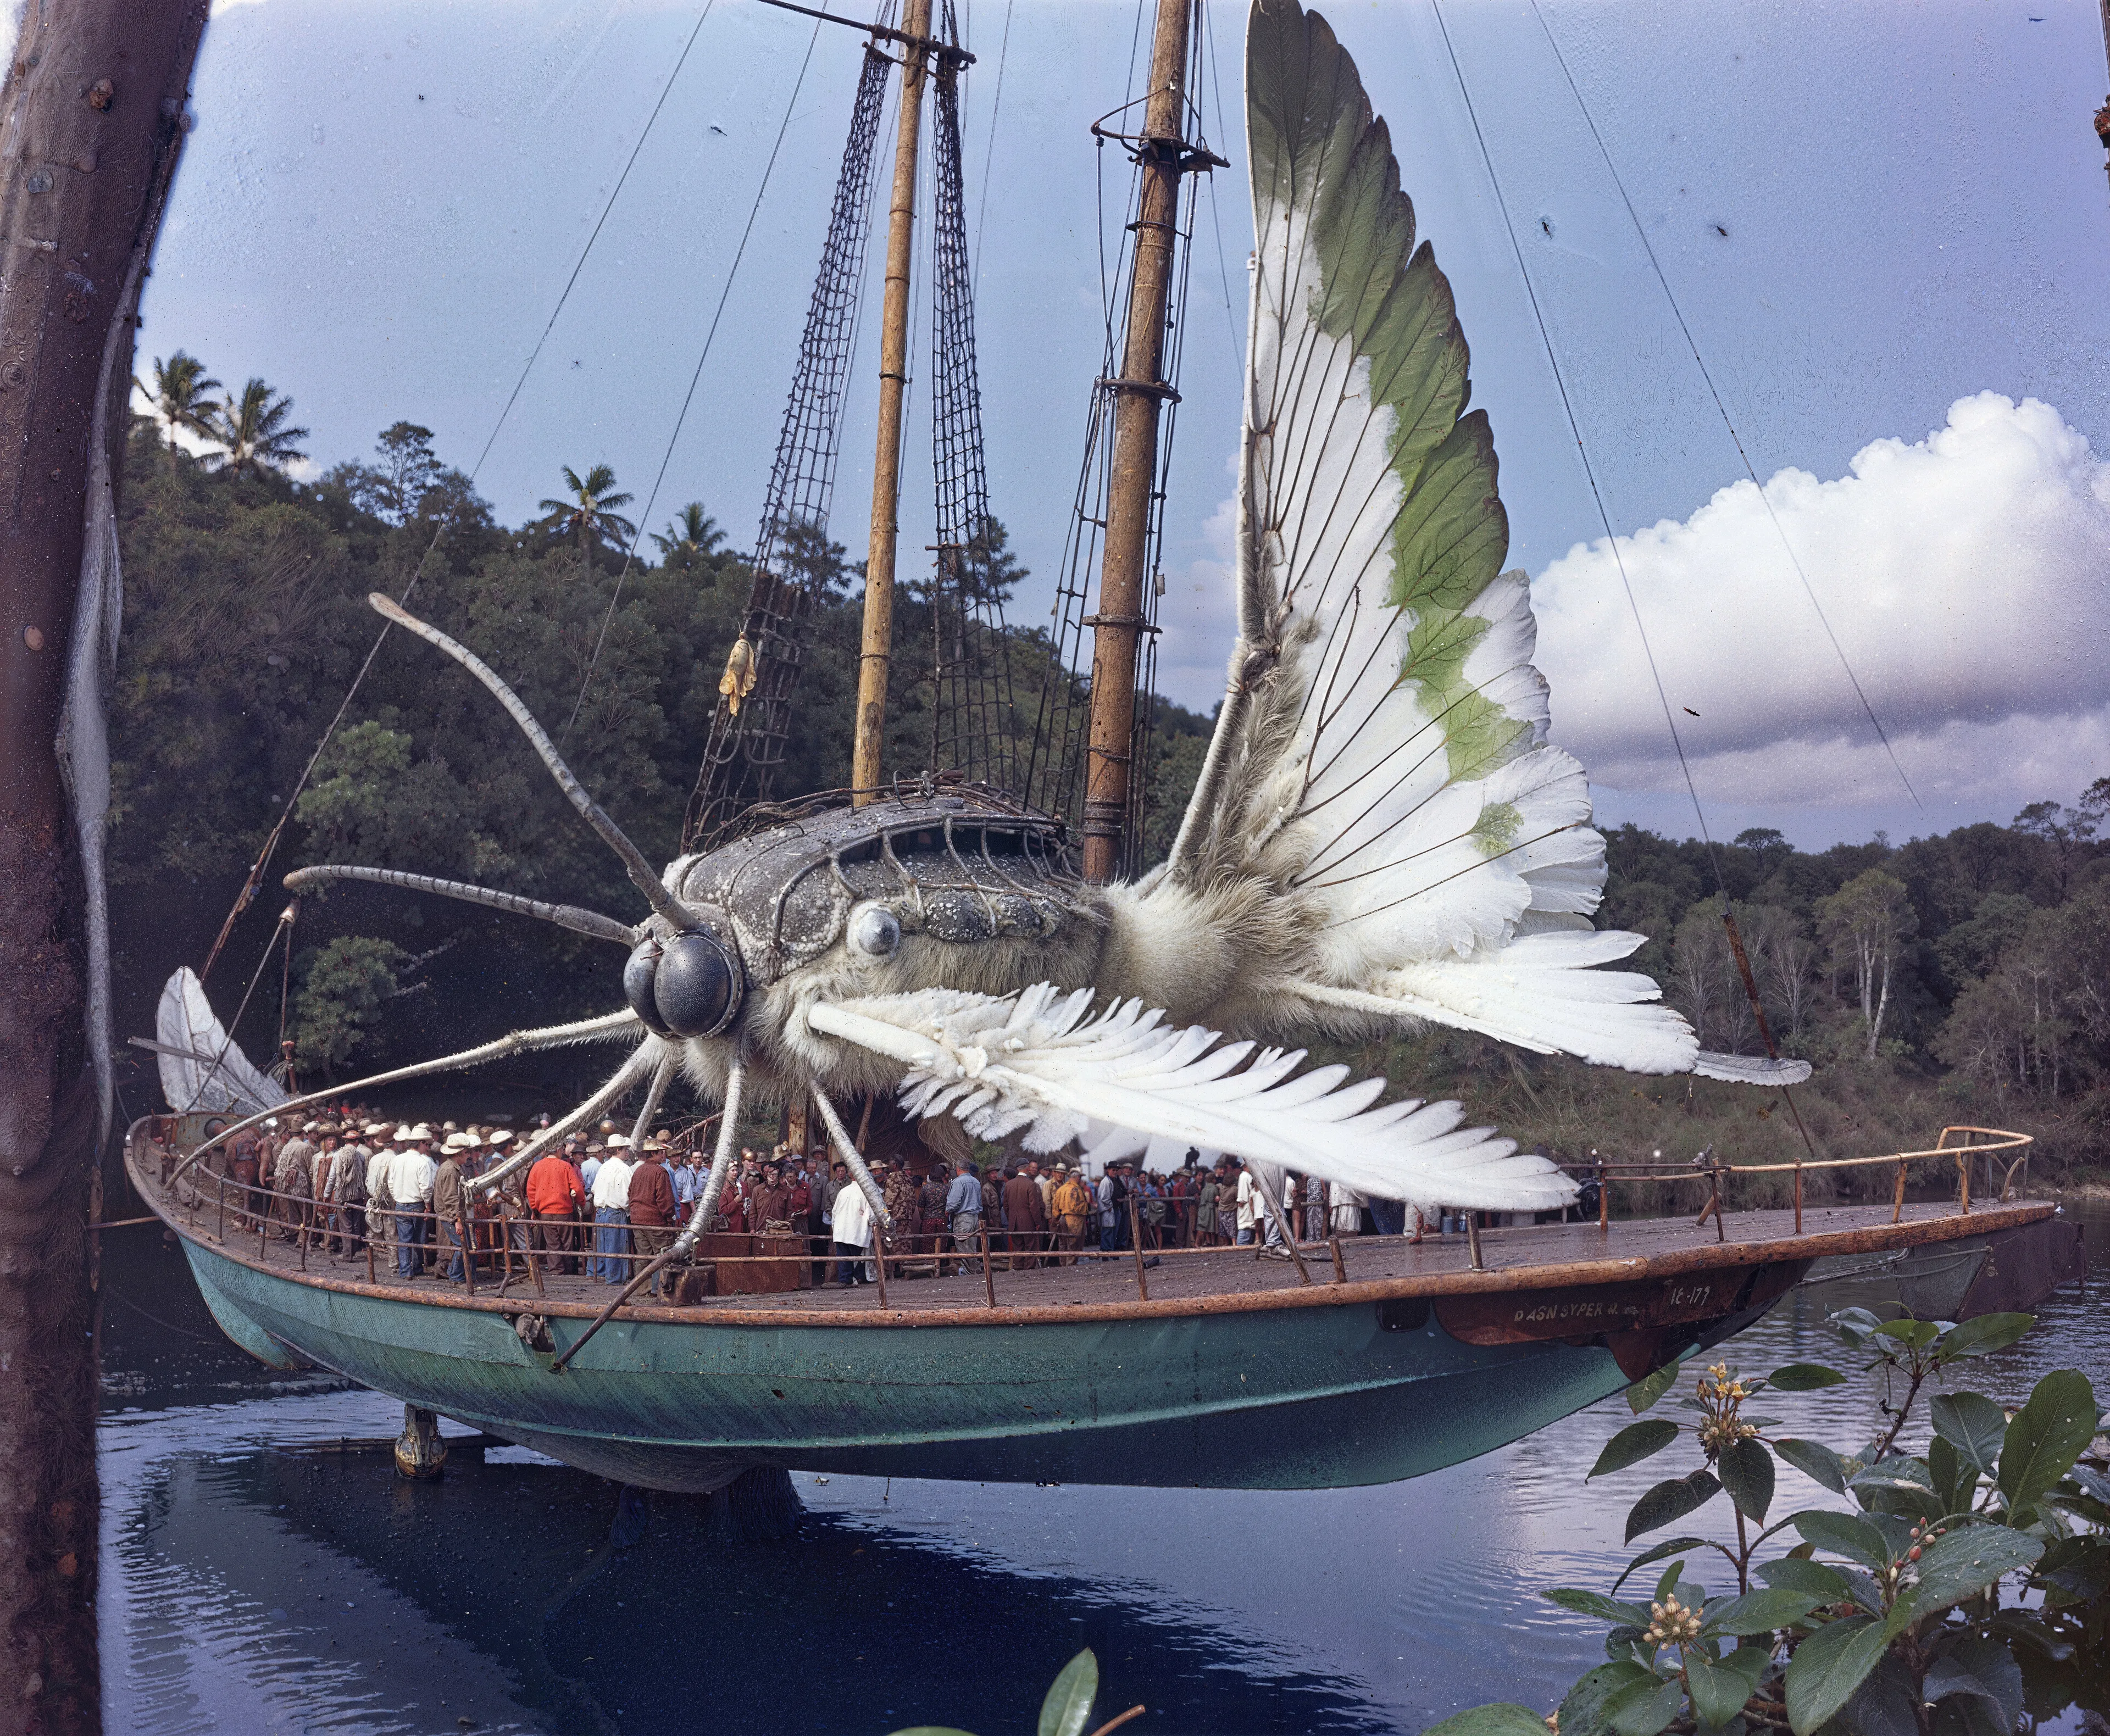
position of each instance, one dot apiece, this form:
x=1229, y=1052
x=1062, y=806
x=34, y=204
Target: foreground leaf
x=1844, y=1535
x=1642, y=1395
x=1815, y=1461
x=1632, y=1444
x=1828, y=1666
x=1762, y=1612
x=1973, y=1424
x=2047, y=1436
x=1718, y=1692
x=1648, y=1557
x=1962, y=1564
x=1604, y=1608
x=1803, y=1378
x=1068, y=1707
x=1814, y=1580
x=1640, y=1709
x=1983, y=1669
x=1746, y=1471
x=1587, y=1709
x=1505, y=1719
x=1671, y=1501
x=1983, y=1335
x=1955, y=1481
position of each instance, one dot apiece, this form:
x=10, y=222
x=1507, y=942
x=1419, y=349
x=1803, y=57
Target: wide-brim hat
x=448, y=1127
x=421, y=1132
x=618, y=1141
x=372, y=1126
x=459, y=1142
x=498, y=1138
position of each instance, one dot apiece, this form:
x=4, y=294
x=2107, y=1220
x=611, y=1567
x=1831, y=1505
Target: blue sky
x=1868, y=214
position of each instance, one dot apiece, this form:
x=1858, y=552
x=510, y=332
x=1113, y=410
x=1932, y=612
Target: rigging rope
x=255, y=878
x=989, y=150
x=1737, y=439
x=688, y=398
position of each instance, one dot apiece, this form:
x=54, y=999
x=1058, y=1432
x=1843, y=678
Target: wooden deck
x=1547, y=1257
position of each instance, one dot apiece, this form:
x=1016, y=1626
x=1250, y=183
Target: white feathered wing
x=1380, y=803
x=1125, y=1084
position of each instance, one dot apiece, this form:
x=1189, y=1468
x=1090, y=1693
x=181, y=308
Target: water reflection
x=260, y=1578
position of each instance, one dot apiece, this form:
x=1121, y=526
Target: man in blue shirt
x=963, y=1211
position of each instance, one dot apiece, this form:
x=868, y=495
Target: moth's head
x=686, y=982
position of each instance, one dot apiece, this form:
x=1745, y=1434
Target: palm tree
x=590, y=513
x=694, y=536
x=253, y=429
x=179, y=399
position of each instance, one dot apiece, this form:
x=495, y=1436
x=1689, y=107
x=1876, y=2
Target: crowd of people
x=595, y=1203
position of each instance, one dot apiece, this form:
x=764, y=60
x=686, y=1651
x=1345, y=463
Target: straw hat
x=617, y=1142
x=448, y=1127
x=421, y=1132
x=458, y=1142
x=374, y=1128
x=498, y=1138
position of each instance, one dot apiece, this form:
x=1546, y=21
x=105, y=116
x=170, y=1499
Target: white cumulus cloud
x=1967, y=578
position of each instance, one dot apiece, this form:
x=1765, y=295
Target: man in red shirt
x=556, y=1194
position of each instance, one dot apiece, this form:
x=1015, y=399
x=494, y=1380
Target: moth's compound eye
x=697, y=987
x=875, y=931
x=637, y=973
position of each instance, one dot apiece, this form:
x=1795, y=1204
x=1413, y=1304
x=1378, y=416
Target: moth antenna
x=564, y=915
x=640, y=871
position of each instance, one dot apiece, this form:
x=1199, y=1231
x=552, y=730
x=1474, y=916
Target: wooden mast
x=1164, y=155
x=878, y=639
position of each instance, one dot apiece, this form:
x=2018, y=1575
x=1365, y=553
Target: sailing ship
x=1381, y=835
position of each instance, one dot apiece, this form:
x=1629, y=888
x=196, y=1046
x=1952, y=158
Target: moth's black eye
x=697, y=984
x=637, y=973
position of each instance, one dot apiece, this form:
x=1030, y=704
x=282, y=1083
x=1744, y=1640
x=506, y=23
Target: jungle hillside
x=1962, y=977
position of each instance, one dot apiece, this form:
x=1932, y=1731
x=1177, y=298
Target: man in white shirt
x=1249, y=1206
x=611, y=1201
x=410, y=1173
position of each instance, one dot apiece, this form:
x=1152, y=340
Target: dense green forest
x=1964, y=978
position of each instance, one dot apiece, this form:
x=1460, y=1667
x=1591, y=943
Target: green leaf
x=1718, y=1693
x=1640, y=1709
x=1803, y=1378
x=1586, y=1710
x=1656, y=1554
x=1762, y=1612
x=2047, y=1436
x=1827, y=1667
x=1955, y=1480
x=1984, y=1669
x=1068, y=1707
x=1671, y=1501
x=1505, y=1719
x=1814, y=1580
x=1844, y=1535
x=1604, y=1608
x=1915, y=1334
x=1962, y=1564
x=1973, y=1424
x=1632, y=1443
x=1642, y=1395
x=1746, y=1471
x=1983, y=1335
x=1886, y=1704
x=1854, y=1326
x=1815, y=1461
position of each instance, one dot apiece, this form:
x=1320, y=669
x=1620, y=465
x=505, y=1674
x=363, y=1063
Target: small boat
x=1381, y=835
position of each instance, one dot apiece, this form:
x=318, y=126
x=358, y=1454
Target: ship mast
x=878, y=637
x=1163, y=155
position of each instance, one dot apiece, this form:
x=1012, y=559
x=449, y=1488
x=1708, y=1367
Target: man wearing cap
x=611, y=1200
x=410, y=1174
x=451, y=1203
x=1073, y=1207
x=651, y=1205
x=556, y=1195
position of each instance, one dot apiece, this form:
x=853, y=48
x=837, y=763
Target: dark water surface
x=259, y=1576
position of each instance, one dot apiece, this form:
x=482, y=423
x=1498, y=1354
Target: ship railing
x=496, y=1243
x=2004, y=1155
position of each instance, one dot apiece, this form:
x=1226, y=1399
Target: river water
x=259, y=1575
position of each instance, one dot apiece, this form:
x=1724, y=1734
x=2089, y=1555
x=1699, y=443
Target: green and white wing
x=1381, y=759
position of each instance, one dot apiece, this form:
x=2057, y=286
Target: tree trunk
x=91, y=120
